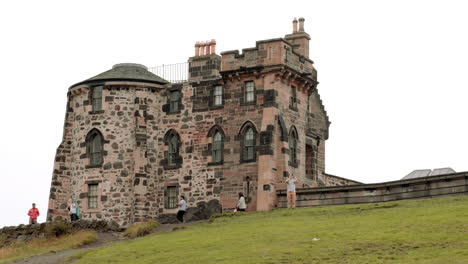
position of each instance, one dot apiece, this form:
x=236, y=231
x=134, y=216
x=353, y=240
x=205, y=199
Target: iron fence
x=174, y=73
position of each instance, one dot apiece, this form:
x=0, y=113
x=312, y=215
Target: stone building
x=242, y=122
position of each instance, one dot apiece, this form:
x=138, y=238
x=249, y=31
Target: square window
x=96, y=98
x=174, y=99
x=218, y=96
x=92, y=196
x=293, y=101
x=249, y=92
x=171, y=197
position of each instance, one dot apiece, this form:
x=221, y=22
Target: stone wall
x=332, y=180
x=123, y=185
x=425, y=187
x=22, y=233
x=136, y=121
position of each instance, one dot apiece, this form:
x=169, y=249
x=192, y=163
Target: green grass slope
x=419, y=231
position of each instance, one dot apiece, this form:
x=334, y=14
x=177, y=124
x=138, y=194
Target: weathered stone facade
x=150, y=140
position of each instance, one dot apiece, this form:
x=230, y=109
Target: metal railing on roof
x=174, y=73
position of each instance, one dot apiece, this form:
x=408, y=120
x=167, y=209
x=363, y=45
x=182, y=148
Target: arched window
x=173, y=149
x=172, y=141
x=217, y=147
x=94, y=143
x=248, y=136
x=293, y=147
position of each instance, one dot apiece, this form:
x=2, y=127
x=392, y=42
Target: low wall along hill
x=424, y=187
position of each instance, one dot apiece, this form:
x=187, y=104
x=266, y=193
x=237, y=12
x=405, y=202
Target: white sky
x=393, y=75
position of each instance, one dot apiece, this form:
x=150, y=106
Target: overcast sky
x=393, y=76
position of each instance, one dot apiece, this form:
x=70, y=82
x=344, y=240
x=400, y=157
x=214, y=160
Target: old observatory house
x=134, y=142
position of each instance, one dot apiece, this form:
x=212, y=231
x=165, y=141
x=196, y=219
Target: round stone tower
x=102, y=160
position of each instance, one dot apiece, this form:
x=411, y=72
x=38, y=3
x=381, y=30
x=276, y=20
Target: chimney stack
x=294, y=25
x=301, y=24
x=299, y=38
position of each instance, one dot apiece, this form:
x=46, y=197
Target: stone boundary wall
x=24, y=233
x=332, y=180
x=425, y=187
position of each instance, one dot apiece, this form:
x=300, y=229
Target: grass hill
x=418, y=231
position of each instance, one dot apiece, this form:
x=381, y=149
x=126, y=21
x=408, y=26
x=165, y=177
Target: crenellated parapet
x=269, y=53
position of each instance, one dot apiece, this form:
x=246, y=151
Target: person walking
x=291, y=191
x=33, y=214
x=241, y=206
x=77, y=206
x=182, y=207
x=73, y=209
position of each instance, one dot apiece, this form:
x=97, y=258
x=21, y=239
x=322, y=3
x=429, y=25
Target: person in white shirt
x=241, y=206
x=291, y=191
x=72, y=209
x=182, y=207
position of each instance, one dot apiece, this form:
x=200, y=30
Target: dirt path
x=104, y=239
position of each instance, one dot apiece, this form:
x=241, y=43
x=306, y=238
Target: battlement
x=271, y=52
x=291, y=51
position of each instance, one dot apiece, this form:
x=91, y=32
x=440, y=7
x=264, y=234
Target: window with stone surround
x=218, y=147
x=293, y=98
x=248, y=142
x=172, y=156
x=249, y=92
x=170, y=197
x=174, y=101
x=293, y=139
x=173, y=149
x=96, y=98
x=92, y=196
x=218, y=95
x=94, y=142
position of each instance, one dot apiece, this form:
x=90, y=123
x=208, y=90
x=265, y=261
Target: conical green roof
x=126, y=72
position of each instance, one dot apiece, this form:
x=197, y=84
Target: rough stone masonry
x=242, y=122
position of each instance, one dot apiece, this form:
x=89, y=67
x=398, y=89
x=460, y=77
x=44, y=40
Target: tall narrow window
x=171, y=197
x=173, y=150
x=293, y=147
x=174, y=99
x=293, y=99
x=218, y=95
x=249, y=92
x=217, y=147
x=172, y=158
x=94, y=143
x=249, y=144
x=92, y=196
x=311, y=163
x=97, y=98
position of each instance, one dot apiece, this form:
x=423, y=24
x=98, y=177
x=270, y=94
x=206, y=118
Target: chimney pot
x=207, y=47
x=294, y=25
x=213, y=46
x=301, y=24
x=197, y=48
x=202, y=48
